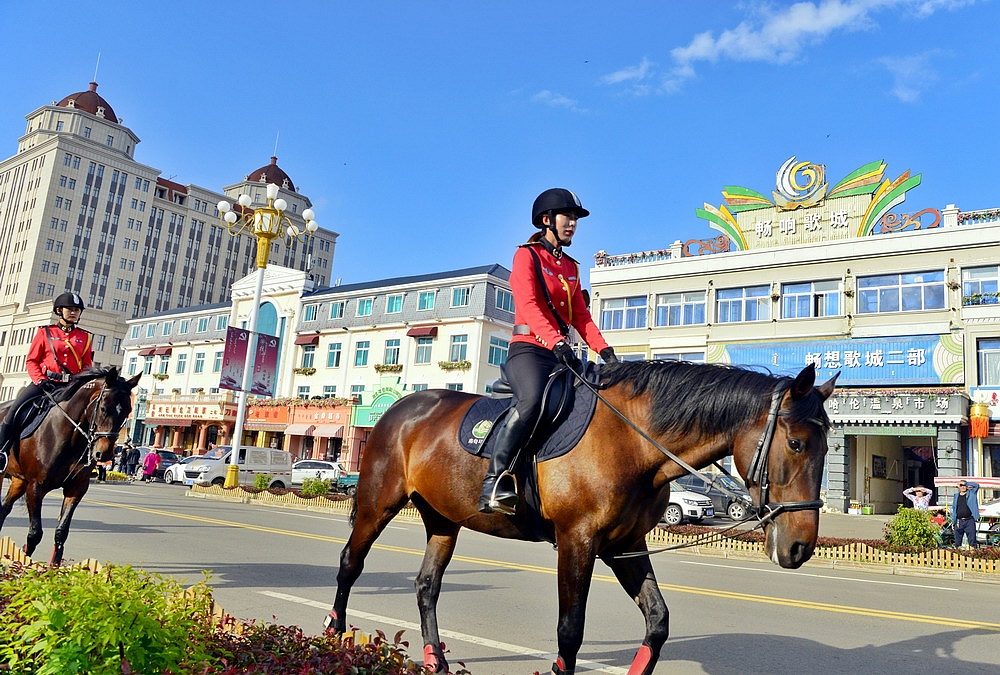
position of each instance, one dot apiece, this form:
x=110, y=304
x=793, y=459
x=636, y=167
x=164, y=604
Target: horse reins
x=91, y=436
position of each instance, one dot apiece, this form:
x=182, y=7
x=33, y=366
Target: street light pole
x=265, y=223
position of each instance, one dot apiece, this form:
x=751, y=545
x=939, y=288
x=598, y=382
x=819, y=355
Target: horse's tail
x=354, y=509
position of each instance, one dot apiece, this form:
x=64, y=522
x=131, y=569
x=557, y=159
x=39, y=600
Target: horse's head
x=109, y=405
x=785, y=470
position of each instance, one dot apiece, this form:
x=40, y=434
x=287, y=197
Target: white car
x=989, y=523
x=690, y=505
x=175, y=472
x=315, y=468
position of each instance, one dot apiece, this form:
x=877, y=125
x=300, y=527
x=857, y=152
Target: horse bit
x=88, y=433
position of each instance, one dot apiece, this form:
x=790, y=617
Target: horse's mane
x=696, y=397
x=82, y=379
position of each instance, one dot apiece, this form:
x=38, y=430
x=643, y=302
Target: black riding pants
x=528, y=368
x=31, y=391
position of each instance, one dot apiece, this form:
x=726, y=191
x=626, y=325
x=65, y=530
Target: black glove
x=48, y=386
x=566, y=354
x=608, y=354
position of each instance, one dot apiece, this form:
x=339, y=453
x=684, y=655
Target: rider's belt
x=58, y=377
x=521, y=329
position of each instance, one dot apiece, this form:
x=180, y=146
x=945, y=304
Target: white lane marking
x=819, y=576
x=464, y=637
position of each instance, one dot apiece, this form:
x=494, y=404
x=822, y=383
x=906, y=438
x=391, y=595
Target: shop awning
x=306, y=339
x=162, y=351
x=329, y=431
x=165, y=422
x=299, y=429
x=148, y=351
x=422, y=331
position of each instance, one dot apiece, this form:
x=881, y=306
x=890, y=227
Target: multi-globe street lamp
x=265, y=223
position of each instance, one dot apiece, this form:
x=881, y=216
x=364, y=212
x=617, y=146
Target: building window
x=498, y=351
x=361, y=353
x=901, y=292
x=199, y=362
x=619, y=313
x=134, y=334
x=336, y=310
x=980, y=285
x=164, y=363
x=752, y=303
x=419, y=387
x=308, y=356
x=356, y=391
x=147, y=365
x=426, y=300
x=505, y=300
x=693, y=357
x=167, y=327
x=811, y=299
x=151, y=330
x=310, y=312
x=302, y=392
x=394, y=304
x=989, y=362
x=185, y=326
x=133, y=366
x=221, y=322
x=329, y=390
x=182, y=360
x=454, y=386
x=217, y=362
x=460, y=296
x=333, y=355
x=680, y=309
x=202, y=324
x=459, y=347
x=391, y=352
x=365, y=306
x=423, y=354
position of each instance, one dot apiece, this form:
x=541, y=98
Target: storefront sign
x=368, y=415
x=917, y=359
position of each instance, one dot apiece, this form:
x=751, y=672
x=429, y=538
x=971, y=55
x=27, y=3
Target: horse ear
x=133, y=381
x=827, y=387
x=111, y=375
x=804, y=381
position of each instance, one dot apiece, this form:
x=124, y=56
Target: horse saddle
x=30, y=415
x=566, y=411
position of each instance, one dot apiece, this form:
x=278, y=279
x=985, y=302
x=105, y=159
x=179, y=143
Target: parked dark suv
x=734, y=507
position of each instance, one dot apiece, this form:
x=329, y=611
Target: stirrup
x=3, y=462
x=507, y=502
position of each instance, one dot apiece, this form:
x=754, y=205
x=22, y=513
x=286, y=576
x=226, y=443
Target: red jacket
x=562, y=277
x=74, y=350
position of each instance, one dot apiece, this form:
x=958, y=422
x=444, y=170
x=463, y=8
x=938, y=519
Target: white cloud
x=912, y=75
x=636, y=73
x=555, y=100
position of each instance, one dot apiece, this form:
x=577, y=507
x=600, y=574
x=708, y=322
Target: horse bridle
x=88, y=433
x=757, y=471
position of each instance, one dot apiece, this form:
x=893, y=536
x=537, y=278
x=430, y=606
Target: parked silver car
x=687, y=505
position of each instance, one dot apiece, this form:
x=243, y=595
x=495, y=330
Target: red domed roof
x=272, y=173
x=90, y=101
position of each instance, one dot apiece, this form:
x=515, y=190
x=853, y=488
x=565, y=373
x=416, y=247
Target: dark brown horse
x=77, y=432
x=602, y=498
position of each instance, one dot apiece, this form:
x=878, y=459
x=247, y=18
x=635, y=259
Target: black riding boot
x=509, y=438
x=5, y=444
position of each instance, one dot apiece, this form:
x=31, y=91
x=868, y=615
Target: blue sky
x=422, y=131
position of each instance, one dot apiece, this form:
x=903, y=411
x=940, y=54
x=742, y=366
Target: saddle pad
x=478, y=421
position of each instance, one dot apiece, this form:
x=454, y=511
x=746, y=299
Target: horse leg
x=637, y=578
x=575, y=572
x=33, y=500
x=14, y=492
x=71, y=499
x=441, y=540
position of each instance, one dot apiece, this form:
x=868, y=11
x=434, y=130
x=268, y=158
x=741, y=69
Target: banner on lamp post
x=234, y=358
x=265, y=365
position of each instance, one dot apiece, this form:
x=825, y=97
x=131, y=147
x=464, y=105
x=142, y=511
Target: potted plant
x=304, y=371
x=455, y=365
x=160, y=376
x=388, y=367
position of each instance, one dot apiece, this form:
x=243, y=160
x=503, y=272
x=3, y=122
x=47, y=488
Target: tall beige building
x=79, y=213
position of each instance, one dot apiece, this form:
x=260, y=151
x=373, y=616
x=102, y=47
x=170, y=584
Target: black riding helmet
x=553, y=201
x=68, y=300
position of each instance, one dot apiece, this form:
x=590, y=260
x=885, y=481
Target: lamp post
x=266, y=223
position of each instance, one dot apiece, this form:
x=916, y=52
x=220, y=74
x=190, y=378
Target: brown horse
x=77, y=432
x=603, y=497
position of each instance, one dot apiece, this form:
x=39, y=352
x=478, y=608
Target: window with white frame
x=151, y=330
x=202, y=324
x=167, y=327
x=505, y=300
x=222, y=322
x=329, y=391
x=184, y=327
x=989, y=362
x=394, y=304
x=308, y=356
x=810, y=299
x=460, y=296
x=182, y=360
x=419, y=387
x=423, y=352
x=309, y=312
x=217, y=362
x=134, y=334
x=361, y=352
x=693, y=357
x=911, y=292
x=356, y=391
x=365, y=306
x=133, y=365
x=426, y=300
x=620, y=313
x=459, y=347
x=454, y=386
x=680, y=309
x=980, y=285
x=337, y=309
x=164, y=363
x=302, y=392
x=498, y=351
x=333, y=355
x=147, y=365
x=751, y=303
x=391, y=357
x=199, y=362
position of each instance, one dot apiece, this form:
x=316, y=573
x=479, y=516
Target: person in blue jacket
x=965, y=512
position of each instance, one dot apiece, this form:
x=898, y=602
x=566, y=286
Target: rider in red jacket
x=548, y=300
x=56, y=352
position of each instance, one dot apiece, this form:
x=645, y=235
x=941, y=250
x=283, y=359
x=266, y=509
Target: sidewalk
x=846, y=526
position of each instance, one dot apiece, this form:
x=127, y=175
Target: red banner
x=234, y=359
x=265, y=365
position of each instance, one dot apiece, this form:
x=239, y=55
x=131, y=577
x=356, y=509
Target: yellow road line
x=694, y=590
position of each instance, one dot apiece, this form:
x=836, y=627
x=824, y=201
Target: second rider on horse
x=57, y=352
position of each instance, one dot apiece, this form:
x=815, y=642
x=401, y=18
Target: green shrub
x=315, y=486
x=912, y=527
x=70, y=620
x=262, y=480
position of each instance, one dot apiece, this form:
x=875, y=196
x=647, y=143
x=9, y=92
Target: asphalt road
x=498, y=605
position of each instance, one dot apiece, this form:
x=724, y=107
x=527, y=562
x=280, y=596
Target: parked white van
x=253, y=461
